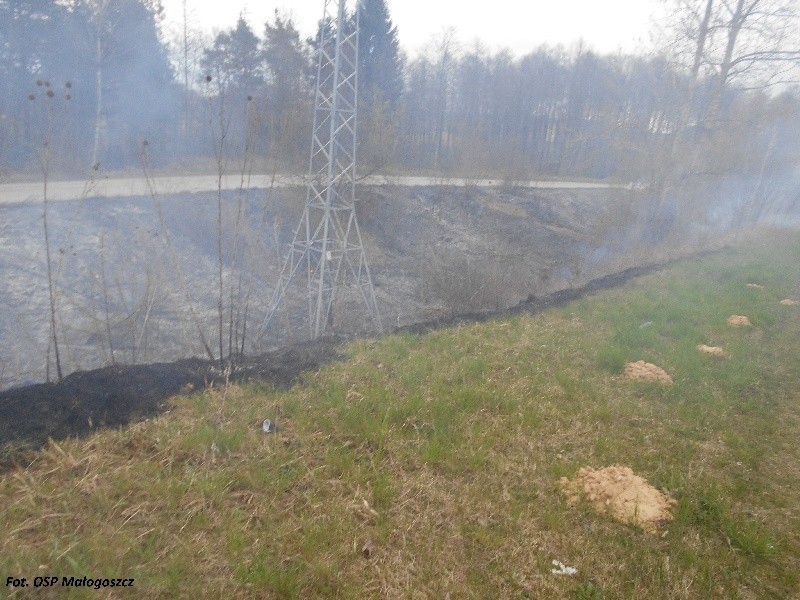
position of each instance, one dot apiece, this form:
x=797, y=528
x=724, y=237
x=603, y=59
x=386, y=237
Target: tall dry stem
x=104, y=284
x=45, y=162
x=144, y=157
x=219, y=133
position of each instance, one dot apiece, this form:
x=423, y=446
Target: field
x=135, y=276
x=428, y=466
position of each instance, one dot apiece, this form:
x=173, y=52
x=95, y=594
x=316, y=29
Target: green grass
x=445, y=451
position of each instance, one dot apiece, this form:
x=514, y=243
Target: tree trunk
x=702, y=36
x=734, y=27
x=98, y=115
x=185, y=78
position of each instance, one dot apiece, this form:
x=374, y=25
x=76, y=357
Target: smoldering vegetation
x=137, y=278
x=699, y=134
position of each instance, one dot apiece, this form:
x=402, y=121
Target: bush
x=461, y=284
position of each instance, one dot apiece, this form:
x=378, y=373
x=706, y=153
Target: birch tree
x=752, y=44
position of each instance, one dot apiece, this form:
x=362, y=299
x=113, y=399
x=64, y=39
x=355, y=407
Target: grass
x=442, y=453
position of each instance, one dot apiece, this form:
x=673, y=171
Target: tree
x=285, y=58
x=761, y=44
x=109, y=52
x=234, y=62
x=443, y=68
x=188, y=64
x=287, y=66
x=381, y=64
x=39, y=41
x=134, y=97
x=752, y=43
x=724, y=52
x=417, y=116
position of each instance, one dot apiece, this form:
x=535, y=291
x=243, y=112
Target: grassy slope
x=445, y=450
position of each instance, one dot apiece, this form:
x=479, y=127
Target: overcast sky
x=521, y=25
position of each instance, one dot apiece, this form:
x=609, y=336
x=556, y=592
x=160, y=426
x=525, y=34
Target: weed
x=588, y=591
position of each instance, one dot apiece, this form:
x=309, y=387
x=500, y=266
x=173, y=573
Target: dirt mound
x=713, y=350
x=789, y=302
x=646, y=371
x=755, y=286
x=618, y=492
x=738, y=321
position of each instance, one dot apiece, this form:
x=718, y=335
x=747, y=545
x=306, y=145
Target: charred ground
x=117, y=395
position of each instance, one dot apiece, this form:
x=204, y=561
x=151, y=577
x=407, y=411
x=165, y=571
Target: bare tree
x=752, y=43
x=692, y=21
x=722, y=49
x=761, y=45
x=185, y=65
x=102, y=19
x=444, y=61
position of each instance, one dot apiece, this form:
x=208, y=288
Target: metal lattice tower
x=327, y=246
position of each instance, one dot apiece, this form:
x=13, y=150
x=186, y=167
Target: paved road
x=14, y=193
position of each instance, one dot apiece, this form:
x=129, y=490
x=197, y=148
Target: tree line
x=95, y=78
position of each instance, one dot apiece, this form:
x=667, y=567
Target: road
x=120, y=187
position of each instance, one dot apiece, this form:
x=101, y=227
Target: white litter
x=268, y=426
x=562, y=569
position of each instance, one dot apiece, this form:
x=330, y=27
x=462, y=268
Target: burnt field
x=118, y=395
x=137, y=279
x=137, y=288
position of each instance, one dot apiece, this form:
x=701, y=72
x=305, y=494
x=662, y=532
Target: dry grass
x=507, y=208
x=428, y=466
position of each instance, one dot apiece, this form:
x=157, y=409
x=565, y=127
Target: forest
x=95, y=79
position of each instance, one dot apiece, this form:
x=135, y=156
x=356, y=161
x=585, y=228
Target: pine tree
x=381, y=64
x=286, y=62
x=287, y=68
x=235, y=62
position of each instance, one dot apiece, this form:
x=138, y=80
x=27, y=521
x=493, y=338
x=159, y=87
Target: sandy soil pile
x=713, y=350
x=738, y=321
x=646, y=371
x=618, y=492
x=789, y=302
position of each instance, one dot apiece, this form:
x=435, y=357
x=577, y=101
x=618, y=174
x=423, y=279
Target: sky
x=520, y=25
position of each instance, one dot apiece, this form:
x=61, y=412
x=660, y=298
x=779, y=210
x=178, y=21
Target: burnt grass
x=118, y=395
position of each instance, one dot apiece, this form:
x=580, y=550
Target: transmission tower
x=327, y=248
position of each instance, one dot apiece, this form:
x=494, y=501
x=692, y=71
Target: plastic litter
x=268, y=426
x=562, y=569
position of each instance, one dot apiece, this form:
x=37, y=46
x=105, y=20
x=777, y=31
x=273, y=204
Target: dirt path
x=121, y=187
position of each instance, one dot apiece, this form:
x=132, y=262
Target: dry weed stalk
x=146, y=164
x=45, y=157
